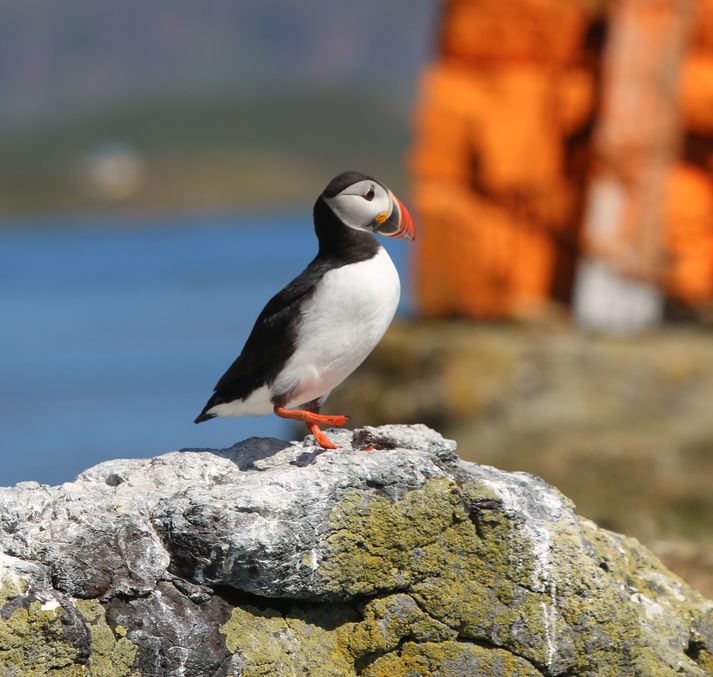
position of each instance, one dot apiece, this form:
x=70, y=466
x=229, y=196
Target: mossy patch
x=393, y=638
x=563, y=595
x=112, y=653
x=381, y=545
x=449, y=659
x=453, y=549
x=332, y=639
x=10, y=589
x=33, y=641
x=35, y=638
x=310, y=640
x=11, y=585
x=388, y=621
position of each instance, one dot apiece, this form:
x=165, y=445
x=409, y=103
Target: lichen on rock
x=112, y=654
x=272, y=558
x=33, y=641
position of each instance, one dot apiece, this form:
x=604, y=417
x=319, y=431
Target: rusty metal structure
x=550, y=133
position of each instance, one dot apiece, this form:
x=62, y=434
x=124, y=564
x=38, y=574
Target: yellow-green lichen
x=449, y=659
x=378, y=544
x=463, y=572
x=112, y=653
x=460, y=583
x=700, y=646
x=310, y=640
x=394, y=637
x=703, y=658
x=11, y=586
x=390, y=620
x=571, y=599
x=326, y=640
x=33, y=642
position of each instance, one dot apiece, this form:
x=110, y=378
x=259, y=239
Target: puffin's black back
x=270, y=344
x=273, y=338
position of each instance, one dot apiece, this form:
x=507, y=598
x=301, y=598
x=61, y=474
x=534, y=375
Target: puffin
x=317, y=330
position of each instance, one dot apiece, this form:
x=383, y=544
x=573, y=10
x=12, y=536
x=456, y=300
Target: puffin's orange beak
x=399, y=223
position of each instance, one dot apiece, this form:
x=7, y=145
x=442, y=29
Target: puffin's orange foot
x=328, y=419
x=320, y=437
x=309, y=417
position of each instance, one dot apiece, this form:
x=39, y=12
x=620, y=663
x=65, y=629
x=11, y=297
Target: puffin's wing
x=270, y=344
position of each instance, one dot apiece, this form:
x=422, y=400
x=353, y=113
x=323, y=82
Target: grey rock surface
x=276, y=558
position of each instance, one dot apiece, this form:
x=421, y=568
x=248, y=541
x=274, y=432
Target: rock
x=273, y=558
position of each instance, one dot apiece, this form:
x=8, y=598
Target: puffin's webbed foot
x=313, y=420
x=310, y=416
x=320, y=437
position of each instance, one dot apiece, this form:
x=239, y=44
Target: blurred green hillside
x=201, y=105
x=210, y=152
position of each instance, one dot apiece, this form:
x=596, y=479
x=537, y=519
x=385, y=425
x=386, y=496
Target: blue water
x=112, y=334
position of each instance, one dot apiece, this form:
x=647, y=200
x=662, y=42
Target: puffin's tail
x=204, y=415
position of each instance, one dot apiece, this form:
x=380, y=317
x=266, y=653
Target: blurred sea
x=113, y=333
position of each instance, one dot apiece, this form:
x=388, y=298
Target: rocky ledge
x=270, y=558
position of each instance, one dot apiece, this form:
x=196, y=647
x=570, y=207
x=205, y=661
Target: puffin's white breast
x=341, y=324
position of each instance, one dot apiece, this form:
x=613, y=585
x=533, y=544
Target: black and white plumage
x=323, y=324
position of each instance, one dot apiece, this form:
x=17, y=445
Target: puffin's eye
x=370, y=194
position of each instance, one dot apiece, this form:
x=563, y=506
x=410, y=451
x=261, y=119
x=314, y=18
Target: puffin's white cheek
x=353, y=211
x=356, y=212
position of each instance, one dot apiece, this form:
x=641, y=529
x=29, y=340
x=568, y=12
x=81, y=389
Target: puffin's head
x=362, y=203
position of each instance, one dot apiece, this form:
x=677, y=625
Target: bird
x=320, y=327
